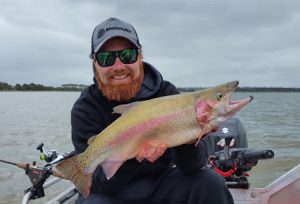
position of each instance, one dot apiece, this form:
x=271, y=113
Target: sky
x=193, y=43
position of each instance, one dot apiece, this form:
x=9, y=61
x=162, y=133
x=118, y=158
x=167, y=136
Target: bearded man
x=175, y=175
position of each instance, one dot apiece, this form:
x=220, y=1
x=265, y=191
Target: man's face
x=119, y=81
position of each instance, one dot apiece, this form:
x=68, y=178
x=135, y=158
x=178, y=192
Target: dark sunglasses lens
x=106, y=59
x=128, y=56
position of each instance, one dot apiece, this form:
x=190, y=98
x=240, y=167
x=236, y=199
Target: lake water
x=272, y=121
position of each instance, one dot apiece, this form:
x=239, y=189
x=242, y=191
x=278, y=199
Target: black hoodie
x=91, y=113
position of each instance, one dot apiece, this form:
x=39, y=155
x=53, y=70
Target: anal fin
x=110, y=167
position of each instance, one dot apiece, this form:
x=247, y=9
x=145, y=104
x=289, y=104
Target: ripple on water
x=6, y=175
x=10, y=144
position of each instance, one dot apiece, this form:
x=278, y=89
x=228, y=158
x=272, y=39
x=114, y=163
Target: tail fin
x=71, y=169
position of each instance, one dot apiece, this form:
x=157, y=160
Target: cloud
x=193, y=43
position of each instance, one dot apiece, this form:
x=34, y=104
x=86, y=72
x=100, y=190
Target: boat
x=285, y=189
x=229, y=156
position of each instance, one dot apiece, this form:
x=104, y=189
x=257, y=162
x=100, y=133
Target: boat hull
x=285, y=189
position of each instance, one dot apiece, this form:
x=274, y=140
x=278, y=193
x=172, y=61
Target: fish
x=143, y=126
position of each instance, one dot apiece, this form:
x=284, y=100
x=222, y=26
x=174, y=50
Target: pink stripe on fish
x=150, y=124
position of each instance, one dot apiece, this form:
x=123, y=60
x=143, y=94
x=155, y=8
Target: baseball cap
x=110, y=28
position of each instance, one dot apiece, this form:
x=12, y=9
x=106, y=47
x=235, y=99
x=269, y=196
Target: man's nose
x=118, y=64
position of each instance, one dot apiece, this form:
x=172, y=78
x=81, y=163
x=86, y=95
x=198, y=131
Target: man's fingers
x=158, y=153
x=140, y=157
x=215, y=129
x=150, y=152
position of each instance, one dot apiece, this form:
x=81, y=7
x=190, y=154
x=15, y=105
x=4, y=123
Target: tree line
x=39, y=87
x=249, y=89
x=79, y=87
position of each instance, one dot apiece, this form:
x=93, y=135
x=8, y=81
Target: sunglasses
x=108, y=58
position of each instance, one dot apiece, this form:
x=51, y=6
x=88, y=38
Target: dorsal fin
x=91, y=140
x=125, y=107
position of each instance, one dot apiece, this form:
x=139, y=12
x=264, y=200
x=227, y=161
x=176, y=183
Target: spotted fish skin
x=171, y=120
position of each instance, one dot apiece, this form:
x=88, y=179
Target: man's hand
x=151, y=153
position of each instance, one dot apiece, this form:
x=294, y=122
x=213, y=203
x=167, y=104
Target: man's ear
x=141, y=53
x=94, y=65
x=93, y=60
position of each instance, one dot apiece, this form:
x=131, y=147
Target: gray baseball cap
x=111, y=28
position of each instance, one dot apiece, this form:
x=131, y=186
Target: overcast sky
x=192, y=43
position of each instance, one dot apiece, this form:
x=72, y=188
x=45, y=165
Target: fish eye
x=219, y=96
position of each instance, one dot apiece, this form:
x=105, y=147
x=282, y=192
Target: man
x=122, y=77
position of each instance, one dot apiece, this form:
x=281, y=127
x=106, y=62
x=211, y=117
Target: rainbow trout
x=143, y=126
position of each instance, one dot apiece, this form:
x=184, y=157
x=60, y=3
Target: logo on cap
x=100, y=33
x=118, y=28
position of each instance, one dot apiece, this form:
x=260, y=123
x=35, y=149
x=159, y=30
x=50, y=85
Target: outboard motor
x=231, y=128
x=229, y=155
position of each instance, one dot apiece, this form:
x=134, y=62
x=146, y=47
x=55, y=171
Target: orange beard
x=124, y=92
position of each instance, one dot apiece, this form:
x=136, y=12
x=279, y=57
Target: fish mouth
x=235, y=105
x=248, y=99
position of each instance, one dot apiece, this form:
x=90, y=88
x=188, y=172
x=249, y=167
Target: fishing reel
x=50, y=156
x=234, y=163
x=39, y=174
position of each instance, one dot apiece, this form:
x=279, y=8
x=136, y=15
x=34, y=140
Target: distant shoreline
x=250, y=89
x=39, y=87
x=79, y=87
x=262, y=89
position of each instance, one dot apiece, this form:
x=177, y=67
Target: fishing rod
x=8, y=162
x=39, y=174
x=27, y=167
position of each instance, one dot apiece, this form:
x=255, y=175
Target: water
x=26, y=120
x=272, y=121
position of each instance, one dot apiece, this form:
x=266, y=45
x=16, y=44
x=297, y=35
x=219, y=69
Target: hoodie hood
x=151, y=83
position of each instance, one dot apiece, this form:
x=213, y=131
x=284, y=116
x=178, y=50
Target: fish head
x=217, y=106
x=225, y=107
